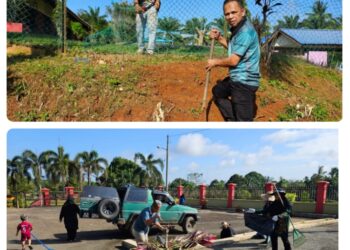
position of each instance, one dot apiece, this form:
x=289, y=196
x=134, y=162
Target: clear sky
x=210, y=9
x=217, y=153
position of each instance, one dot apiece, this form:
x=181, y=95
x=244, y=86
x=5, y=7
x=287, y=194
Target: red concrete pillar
x=69, y=191
x=321, y=193
x=231, y=194
x=202, y=194
x=269, y=186
x=180, y=191
x=46, y=196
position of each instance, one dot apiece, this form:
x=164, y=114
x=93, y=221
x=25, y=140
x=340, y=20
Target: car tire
x=189, y=224
x=108, y=209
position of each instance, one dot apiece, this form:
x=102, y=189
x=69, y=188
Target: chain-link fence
x=310, y=29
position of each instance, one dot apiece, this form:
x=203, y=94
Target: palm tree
x=197, y=26
x=289, y=22
x=319, y=18
x=169, y=25
x=221, y=24
x=152, y=174
x=57, y=166
x=91, y=163
x=17, y=172
x=93, y=17
x=267, y=9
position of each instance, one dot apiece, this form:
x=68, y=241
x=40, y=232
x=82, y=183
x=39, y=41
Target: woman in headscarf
x=70, y=212
x=279, y=210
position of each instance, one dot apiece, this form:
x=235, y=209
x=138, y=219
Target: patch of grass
x=264, y=101
x=32, y=116
x=278, y=84
x=290, y=114
x=320, y=113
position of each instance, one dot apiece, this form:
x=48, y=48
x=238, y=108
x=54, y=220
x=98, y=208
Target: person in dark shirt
x=182, y=199
x=279, y=210
x=70, y=212
x=227, y=231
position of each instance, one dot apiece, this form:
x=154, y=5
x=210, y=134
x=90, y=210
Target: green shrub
x=291, y=197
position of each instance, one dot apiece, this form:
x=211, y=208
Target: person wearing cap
x=235, y=96
x=70, y=212
x=25, y=227
x=150, y=216
x=278, y=210
x=227, y=231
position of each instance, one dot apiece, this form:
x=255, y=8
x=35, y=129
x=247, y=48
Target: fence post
x=46, y=196
x=180, y=190
x=231, y=194
x=321, y=197
x=269, y=187
x=202, y=194
x=69, y=191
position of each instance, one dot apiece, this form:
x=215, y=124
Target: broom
x=298, y=237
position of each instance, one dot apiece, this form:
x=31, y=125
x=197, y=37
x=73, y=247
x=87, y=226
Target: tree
x=78, y=30
x=254, y=179
x=94, y=18
x=122, y=171
x=91, y=163
x=267, y=9
x=18, y=176
x=289, y=22
x=169, y=25
x=123, y=17
x=153, y=176
x=196, y=178
x=185, y=183
x=57, y=166
x=36, y=163
x=236, y=179
x=333, y=176
x=198, y=27
x=319, y=176
x=319, y=18
x=217, y=184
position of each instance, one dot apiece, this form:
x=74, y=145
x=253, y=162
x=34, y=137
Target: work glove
x=275, y=218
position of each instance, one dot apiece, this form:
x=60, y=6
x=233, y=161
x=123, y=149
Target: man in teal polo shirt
x=235, y=95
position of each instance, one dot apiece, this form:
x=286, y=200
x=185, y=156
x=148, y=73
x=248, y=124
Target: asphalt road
x=96, y=233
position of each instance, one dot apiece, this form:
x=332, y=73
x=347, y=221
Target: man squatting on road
x=235, y=95
x=150, y=216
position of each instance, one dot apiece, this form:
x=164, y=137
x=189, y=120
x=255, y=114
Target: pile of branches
x=188, y=241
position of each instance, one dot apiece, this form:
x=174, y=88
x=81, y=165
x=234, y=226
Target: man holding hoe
x=235, y=95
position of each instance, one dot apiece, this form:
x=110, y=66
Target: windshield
x=104, y=192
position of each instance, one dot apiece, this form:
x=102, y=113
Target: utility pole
x=167, y=163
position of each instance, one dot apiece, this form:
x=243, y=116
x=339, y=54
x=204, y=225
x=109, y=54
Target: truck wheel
x=189, y=224
x=108, y=209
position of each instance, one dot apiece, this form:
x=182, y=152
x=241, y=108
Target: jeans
x=236, y=101
x=147, y=19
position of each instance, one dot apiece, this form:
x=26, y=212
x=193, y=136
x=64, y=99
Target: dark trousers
x=71, y=234
x=274, y=241
x=236, y=101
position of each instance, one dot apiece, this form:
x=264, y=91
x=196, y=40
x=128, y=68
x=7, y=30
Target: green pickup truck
x=123, y=206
